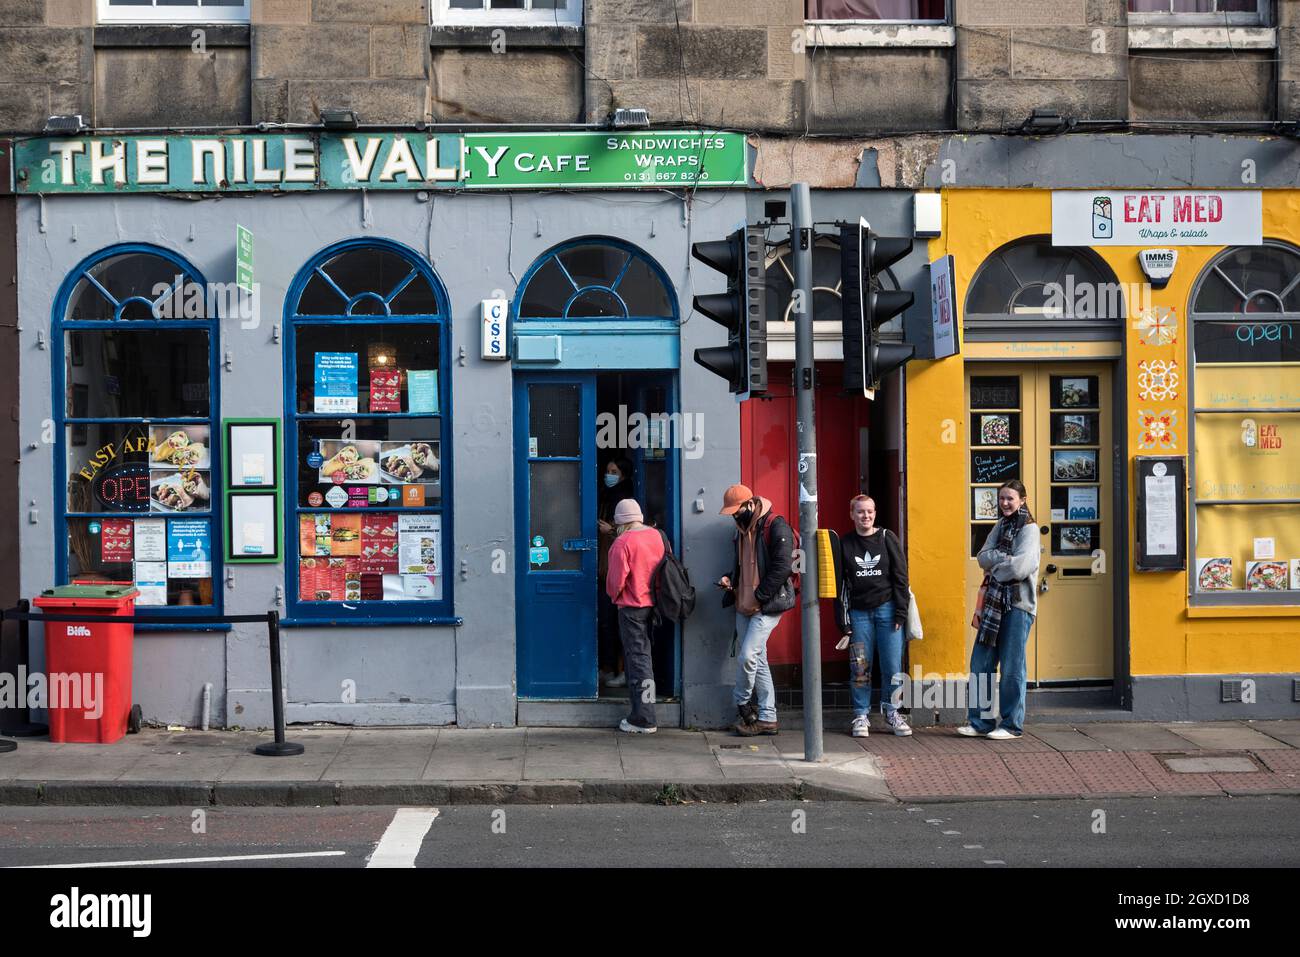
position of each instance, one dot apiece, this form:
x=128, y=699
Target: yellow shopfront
x=1072, y=365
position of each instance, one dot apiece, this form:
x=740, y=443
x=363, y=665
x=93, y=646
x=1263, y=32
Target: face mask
x=611, y=480
x=744, y=517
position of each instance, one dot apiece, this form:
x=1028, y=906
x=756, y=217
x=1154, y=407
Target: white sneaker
x=898, y=724
x=628, y=728
x=1002, y=734
x=968, y=731
x=617, y=681
x=604, y=678
x=861, y=727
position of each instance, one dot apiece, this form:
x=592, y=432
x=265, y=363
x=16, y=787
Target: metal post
x=279, y=747
x=24, y=727
x=804, y=381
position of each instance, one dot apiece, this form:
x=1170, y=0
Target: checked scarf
x=999, y=596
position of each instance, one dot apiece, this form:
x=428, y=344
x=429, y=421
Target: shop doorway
x=568, y=426
x=1050, y=426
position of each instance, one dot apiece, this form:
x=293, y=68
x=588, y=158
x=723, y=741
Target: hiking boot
x=757, y=728
x=898, y=724
x=748, y=712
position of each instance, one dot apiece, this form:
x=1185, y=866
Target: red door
x=768, y=449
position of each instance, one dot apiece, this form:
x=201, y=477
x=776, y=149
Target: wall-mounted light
x=633, y=118
x=1044, y=120
x=67, y=125
x=338, y=119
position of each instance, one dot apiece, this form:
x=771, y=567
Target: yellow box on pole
x=825, y=564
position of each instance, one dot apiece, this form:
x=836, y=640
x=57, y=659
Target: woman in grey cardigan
x=1010, y=562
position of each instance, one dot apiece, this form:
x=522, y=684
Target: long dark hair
x=1018, y=487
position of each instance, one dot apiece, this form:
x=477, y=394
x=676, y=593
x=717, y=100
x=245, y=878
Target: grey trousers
x=634, y=631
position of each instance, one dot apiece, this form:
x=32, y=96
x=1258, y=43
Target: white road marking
x=183, y=860
x=401, y=842
x=952, y=832
x=973, y=847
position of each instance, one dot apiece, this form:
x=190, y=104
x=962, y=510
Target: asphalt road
x=1165, y=832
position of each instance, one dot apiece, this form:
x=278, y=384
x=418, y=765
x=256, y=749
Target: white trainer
x=627, y=727
x=968, y=731
x=1002, y=734
x=861, y=727
x=617, y=681
x=898, y=724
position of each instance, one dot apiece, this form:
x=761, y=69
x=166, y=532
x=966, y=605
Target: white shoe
x=898, y=724
x=1002, y=734
x=628, y=728
x=617, y=681
x=861, y=727
x=968, y=731
x=604, y=677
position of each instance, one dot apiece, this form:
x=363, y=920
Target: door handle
x=1042, y=587
x=1051, y=569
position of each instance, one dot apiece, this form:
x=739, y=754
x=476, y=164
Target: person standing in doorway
x=761, y=589
x=871, y=607
x=633, y=558
x=615, y=486
x=1003, y=617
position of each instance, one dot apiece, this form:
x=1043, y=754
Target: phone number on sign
x=666, y=176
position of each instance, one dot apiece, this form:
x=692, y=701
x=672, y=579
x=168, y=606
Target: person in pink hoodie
x=633, y=558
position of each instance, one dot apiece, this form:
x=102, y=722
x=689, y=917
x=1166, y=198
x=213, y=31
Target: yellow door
x=1049, y=425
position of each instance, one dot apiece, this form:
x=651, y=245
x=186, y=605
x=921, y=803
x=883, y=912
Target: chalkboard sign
x=995, y=392
x=1161, y=497
x=994, y=466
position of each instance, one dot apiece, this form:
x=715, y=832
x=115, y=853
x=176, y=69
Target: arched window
x=368, y=436
x=1245, y=351
x=1031, y=285
x=138, y=465
x=827, y=283
x=595, y=279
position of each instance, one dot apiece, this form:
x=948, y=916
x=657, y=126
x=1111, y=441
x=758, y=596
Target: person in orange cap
x=761, y=589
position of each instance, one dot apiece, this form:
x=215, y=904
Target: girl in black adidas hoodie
x=871, y=606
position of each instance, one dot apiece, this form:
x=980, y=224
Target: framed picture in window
x=253, y=527
x=252, y=453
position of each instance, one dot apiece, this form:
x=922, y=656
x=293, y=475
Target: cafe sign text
x=1226, y=217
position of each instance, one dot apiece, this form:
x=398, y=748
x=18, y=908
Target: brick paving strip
x=935, y=764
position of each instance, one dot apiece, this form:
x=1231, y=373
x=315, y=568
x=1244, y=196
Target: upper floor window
x=897, y=11
x=524, y=13
x=595, y=280
x=174, y=11
x=1197, y=12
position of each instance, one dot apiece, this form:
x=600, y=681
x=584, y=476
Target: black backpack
x=671, y=588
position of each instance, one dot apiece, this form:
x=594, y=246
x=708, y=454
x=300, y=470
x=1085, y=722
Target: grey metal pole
x=801, y=242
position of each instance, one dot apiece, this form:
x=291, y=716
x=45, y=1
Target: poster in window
x=379, y=544
x=189, y=549
x=336, y=382
x=419, y=539
x=1075, y=393
x=1074, y=466
x=1082, y=505
x=1076, y=430
x=995, y=430
x=422, y=390
x=186, y=491
x=1266, y=576
x=403, y=463
x=985, y=504
x=115, y=540
x=385, y=390
x=1295, y=574
x=1076, y=538
x=182, y=447
x=150, y=540
x=345, y=535
x=151, y=583
x=355, y=462
x=1214, y=574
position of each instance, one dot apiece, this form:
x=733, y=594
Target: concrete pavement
x=441, y=766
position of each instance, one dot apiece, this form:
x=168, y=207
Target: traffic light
x=742, y=309
x=863, y=257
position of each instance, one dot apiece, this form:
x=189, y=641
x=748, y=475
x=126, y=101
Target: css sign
x=494, y=313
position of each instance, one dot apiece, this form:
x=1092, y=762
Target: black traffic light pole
x=801, y=241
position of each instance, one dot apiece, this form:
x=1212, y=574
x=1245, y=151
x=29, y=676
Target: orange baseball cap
x=734, y=497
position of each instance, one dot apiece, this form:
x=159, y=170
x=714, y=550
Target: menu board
x=1161, y=534
x=350, y=556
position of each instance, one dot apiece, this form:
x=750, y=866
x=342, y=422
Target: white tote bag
x=913, y=618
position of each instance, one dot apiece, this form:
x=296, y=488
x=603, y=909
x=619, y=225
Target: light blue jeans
x=1009, y=659
x=752, y=672
x=875, y=630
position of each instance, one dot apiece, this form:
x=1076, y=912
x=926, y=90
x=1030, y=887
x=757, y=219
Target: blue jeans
x=875, y=630
x=752, y=672
x=1008, y=658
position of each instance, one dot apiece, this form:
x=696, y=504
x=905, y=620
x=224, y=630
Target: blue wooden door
x=555, y=532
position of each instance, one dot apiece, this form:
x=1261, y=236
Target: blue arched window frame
x=634, y=252
x=366, y=612
x=60, y=323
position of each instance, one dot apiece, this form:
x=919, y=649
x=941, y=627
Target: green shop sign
x=209, y=164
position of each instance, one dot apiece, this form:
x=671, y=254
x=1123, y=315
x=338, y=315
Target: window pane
x=506, y=4
x=547, y=292
x=1248, y=339
x=876, y=9
x=131, y=274
x=367, y=270
x=129, y=373
x=169, y=560
x=993, y=289
x=596, y=304
x=138, y=468
x=644, y=292
x=594, y=265
x=384, y=556
x=386, y=367
x=369, y=463
x=555, y=495
x=1248, y=456
x=554, y=420
x=1225, y=543
x=466, y=4
x=550, y=5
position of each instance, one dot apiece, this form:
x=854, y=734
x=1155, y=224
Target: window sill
x=1243, y=611
x=509, y=36
x=171, y=35
x=166, y=627
x=863, y=34
x=357, y=623
x=1202, y=38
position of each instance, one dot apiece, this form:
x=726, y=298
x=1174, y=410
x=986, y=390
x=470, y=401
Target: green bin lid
x=90, y=591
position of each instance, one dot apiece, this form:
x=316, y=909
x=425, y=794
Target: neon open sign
x=123, y=488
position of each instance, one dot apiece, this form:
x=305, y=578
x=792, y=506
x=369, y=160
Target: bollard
x=279, y=747
x=24, y=727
